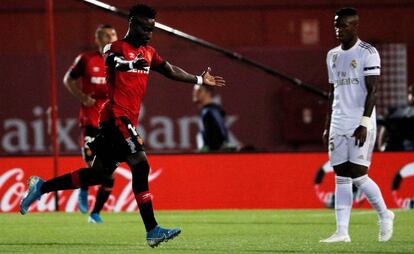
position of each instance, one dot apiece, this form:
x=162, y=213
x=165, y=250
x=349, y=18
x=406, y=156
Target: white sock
x=373, y=194
x=343, y=203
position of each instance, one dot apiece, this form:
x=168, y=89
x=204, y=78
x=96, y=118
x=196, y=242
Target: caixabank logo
x=401, y=187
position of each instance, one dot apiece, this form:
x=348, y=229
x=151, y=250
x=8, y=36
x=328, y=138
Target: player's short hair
x=142, y=10
x=347, y=11
x=102, y=27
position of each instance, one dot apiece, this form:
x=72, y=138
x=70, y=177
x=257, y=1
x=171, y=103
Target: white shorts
x=342, y=148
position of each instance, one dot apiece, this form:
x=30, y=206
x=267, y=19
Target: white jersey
x=347, y=70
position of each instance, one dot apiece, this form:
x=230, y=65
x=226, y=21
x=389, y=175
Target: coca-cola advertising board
x=216, y=181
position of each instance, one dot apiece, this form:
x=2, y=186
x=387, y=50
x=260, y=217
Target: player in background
x=129, y=62
x=350, y=130
x=85, y=80
x=213, y=134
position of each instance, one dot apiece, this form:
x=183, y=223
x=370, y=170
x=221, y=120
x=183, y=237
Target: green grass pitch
x=211, y=231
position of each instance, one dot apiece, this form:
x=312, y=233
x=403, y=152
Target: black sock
x=140, y=188
x=147, y=215
x=101, y=198
x=103, y=195
x=82, y=177
x=63, y=182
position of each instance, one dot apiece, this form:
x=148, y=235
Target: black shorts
x=116, y=140
x=89, y=133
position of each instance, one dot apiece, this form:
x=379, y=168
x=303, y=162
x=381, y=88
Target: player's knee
x=85, y=177
x=76, y=177
x=136, y=159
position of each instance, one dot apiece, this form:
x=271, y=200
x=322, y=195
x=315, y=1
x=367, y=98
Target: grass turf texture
x=214, y=231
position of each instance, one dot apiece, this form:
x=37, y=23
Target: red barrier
x=222, y=181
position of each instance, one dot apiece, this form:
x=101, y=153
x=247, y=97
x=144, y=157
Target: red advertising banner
x=219, y=181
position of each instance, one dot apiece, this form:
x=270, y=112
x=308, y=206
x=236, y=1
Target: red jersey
x=90, y=67
x=127, y=88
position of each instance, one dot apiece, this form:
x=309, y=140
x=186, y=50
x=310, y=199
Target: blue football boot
x=83, y=201
x=95, y=218
x=158, y=235
x=32, y=194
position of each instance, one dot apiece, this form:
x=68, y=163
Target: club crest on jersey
x=354, y=64
x=334, y=58
x=131, y=55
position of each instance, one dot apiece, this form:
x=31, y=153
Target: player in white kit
x=353, y=69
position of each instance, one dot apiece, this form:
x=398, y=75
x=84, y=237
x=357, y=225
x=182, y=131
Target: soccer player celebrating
x=350, y=131
x=89, y=69
x=128, y=62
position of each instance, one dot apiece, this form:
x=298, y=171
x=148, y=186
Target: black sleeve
x=215, y=132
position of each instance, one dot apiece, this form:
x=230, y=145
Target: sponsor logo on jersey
x=346, y=82
x=98, y=80
x=96, y=69
x=146, y=71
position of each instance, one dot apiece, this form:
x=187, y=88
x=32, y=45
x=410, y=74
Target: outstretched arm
x=176, y=73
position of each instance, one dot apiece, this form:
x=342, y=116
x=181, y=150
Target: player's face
x=200, y=95
x=346, y=28
x=142, y=28
x=106, y=36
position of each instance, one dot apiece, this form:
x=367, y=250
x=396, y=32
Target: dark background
x=268, y=113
